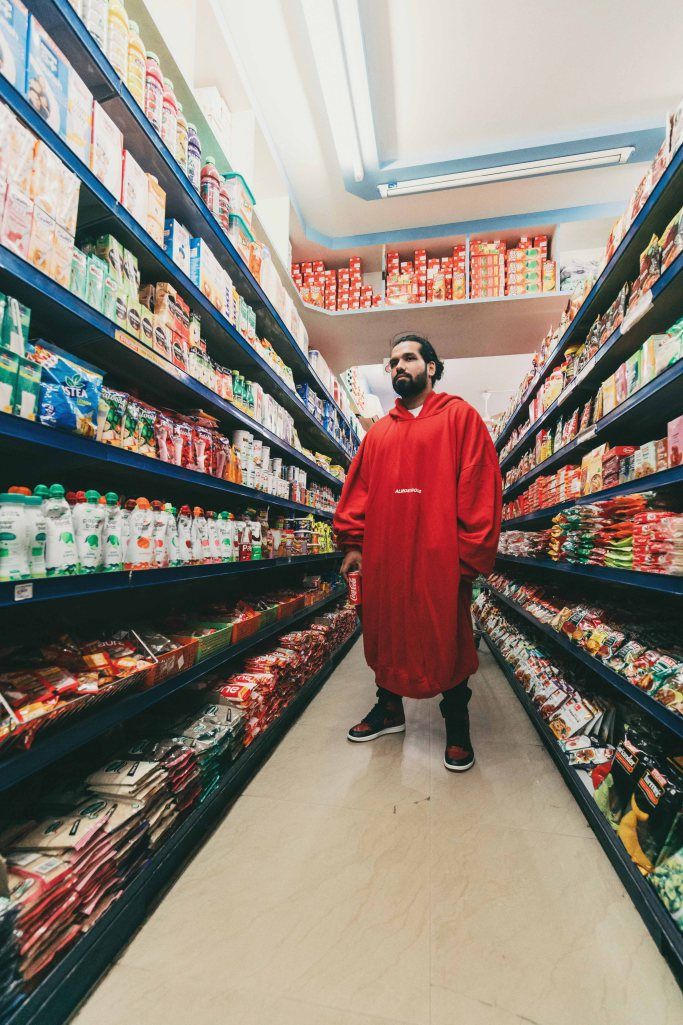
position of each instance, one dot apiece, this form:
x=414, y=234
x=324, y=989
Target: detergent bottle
x=14, y=537
x=113, y=533
x=140, y=552
x=172, y=542
x=61, y=556
x=185, y=551
x=159, y=534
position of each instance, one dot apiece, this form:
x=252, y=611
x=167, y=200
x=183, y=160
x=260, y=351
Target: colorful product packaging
x=17, y=218
x=41, y=240
x=134, y=189
x=47, y=78
x=177, y=244
x=13, y=40
x=106, y=150
x=69, y=391
x=9, y=364
x=156, y=209
x=27, y=390
x=79, y=116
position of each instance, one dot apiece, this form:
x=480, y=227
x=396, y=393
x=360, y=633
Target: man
x=420, y=515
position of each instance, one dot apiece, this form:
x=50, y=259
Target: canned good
x=355, y=592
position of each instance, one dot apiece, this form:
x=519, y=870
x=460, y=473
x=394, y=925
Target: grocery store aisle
x=363, y=885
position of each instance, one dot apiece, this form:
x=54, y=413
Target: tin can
x=355, y=593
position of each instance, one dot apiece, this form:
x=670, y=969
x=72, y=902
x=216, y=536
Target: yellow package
x=156, y=209
x=61, y=256
x=41, y=240
x=46, y=179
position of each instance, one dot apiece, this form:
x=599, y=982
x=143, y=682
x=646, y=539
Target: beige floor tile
x=449, y=1008
x=539, y=924
x=324, y=905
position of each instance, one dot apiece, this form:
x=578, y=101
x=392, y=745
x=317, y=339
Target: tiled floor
x=364, y=885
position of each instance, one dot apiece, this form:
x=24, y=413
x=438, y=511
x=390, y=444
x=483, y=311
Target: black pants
x=453, y=704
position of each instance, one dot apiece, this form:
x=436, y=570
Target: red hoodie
x=423, y=501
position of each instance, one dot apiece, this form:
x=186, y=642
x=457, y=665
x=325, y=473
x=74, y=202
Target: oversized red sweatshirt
x=423, y=501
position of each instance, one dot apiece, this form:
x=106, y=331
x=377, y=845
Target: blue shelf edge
x=582, y=314
x=652, y=482
x=667, y=719
x=654, y=582
x=662, y=928
x=62, y=989
x=55, y=745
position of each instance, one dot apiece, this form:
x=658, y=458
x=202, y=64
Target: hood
x=435, y=403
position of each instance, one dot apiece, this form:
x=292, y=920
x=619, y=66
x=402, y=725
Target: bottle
x=194, y=157
x=61, y=557
x=140, y=551
x=159, y=534
x=226, y=532
x=214, y=537
x=113, y=529
x=256, y=538
x=200, y=536
x=14, y=538
x=172, y=535
x=137, y=64
x=37, y=536
x=117, y=38
x=210, y=185
x=181, y=139
x=88, y=521
x=126, y=513
x=224, y=205
x=95, y=19
x=154, y=90
x=169, y=115
x=185, y=535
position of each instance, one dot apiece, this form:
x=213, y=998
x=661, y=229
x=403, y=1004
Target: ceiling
x=453, y=80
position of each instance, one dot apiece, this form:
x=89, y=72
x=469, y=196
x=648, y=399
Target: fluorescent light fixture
x=507, y=172
x=323, y=31
x=356, y=65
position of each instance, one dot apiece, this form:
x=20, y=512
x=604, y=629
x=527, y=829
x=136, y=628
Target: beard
x=407, y=387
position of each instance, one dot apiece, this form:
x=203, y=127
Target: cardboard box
x=67, y=203
x=106, y=151
x=162, y=341
x=41, y=241
x=121, y=308
x=109, y=249
x=47, y=78
x=134, y=318
x=13, y=41
x=78, y=278
x=17, y=218
x=96, y=271
x=674, y=437
x=79, y=116
x=177, y=244
x=9, y=364
x=27, y=389
x=46, y=179
x=134, y=189
x=156, y=209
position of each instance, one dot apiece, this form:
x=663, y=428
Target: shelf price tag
x=23, y=592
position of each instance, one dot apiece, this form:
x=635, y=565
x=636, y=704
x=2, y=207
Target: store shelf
x=651, y=406
x=660, y=313
x=664, y=201
x=669, y=720
x=83, y=585
x=661, y=926
x=63, y=318
x=652, y=482
x=101, y=211
x=60, y=992
x=23, y=437
x=183, y=202
x=55, y=745
x=654, y=582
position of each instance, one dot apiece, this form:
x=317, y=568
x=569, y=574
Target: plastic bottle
x=113, y=529
x=117, y=38
x=137, y=64
x=200, y=536
x=226, y=534
x=172, y=535
x=61, y=556
x=14, y=538
x=140, y=551
x=95, y=19
x=185, y=535
x=181, y=139
x=224, y=205
x=211, y=186
x=160, y=534
x=169, y=116
x=214, y=536
x=126, y=512
x=194, y=157
x=88, y=520
x=37, y=536
x=154, y=90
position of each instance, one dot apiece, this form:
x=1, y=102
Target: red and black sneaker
x=386, y=717
x=458, y=759
x=459, y=755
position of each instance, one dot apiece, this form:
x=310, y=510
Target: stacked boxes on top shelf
x=334, y=290
x=524, y=269
x=425, y=279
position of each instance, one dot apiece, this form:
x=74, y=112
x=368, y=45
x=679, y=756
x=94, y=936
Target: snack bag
x=69, y=391
x=146, y=436
x=110, y=413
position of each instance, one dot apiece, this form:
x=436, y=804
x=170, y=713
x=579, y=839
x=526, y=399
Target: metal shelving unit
x=663, y=929
x=652, y=582
x=62, y=989
x=661, y=205
x=672, y=722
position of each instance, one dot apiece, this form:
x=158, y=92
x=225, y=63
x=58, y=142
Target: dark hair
x=426, y=350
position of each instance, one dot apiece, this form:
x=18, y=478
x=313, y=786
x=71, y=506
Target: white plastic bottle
x=117, y=38
x=88, y=521
x=226, y=534
x=14, y=538
x=95, y=13
x=185, y=535
x=113, y=534
x=140, y=552
x=200, y=536
x=37, y=536
x=126, y=511
x=61, y=556
x=172, y=536
x=160, y=535
x=214, y=537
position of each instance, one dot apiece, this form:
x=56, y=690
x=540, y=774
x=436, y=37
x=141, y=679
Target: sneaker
x=459, y=755
x=458, y=759
x=379, y=721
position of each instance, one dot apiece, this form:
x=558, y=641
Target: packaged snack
x=109, y=294
x=129, y=426
x=177, y=244
x=667, y=351
x=672, y=240
x=654, y=817
x=13, y=40
x=69, y=391
x=67, y=203
x=633, y=379
x=674, y=434
x=633, y=756
x=106, y=151
x=110, y=413
x=111, y=251
x=121, y=308
x=156, y=209
x=46, y=178
x=78, y=281
x=9, y=365
x=47, y=85
x=134, y=318
x=15, y=323
x=96, y=271
x=146, y=431
x=16, y=221
x=134, y=189
x=131, y=274
x=79, y=116
x=61, y=257
x=27, y=390
x=146, y=326
x=162, y=342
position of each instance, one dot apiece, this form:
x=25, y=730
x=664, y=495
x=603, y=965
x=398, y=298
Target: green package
x=96, y=271
x=134, y=318
x=131, y=274
x=121, y=308
x=16, y=320
x=27, y=390
x=109, y=294
x=79, y=276
x=9, y=364
x=111, y=251
x=146, y=326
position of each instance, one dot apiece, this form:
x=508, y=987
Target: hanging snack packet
x=110, y=413
x=146, y=437
x=69, y=391
x=129, y=426
x=654, y=820
x=163, y=433
x=633, y=757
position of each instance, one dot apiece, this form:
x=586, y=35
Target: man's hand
x=353, y=560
